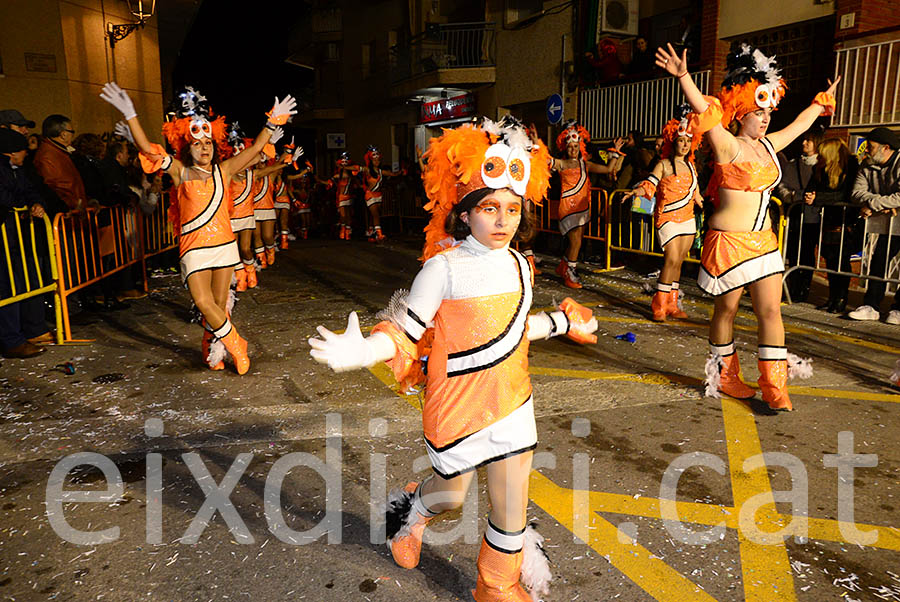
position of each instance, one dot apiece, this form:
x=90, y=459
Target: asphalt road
x=308, y=455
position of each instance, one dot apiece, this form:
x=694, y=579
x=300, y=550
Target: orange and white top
x=206, y=240
x=241, y=195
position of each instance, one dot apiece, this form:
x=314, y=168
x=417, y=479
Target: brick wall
x=712, y=50
x=871, y=15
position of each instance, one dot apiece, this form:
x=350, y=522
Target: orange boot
x=406, y=519
x=729, y=372
x=498, y=575
x=270, y=255
x=773, y=375
x=660, y=304
x=562, y=267
x=379, y=235
x=673, y=309
x=284, y=240
x=250, y=268
x=241, y=275
x=235, y=345
x=204, y=349
x=261, y=258
x=570, y=279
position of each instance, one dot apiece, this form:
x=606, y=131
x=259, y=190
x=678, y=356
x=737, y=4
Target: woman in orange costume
x=301, y=185
x=468, y=312
x=208, y=250
x=243, y=223
x=343, y=182
x=741, y=250
x=575, y=200
x=374, y=178
x=283, y=196
x=674, y=182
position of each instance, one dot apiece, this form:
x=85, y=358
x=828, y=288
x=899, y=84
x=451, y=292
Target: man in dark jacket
x=22, y=326
x=877, y=191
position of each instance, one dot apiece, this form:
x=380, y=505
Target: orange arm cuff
x=700, y=123
x=647, y=188
x=826, y=101
x=406, y=365
x=579, y=316
x=153, y=163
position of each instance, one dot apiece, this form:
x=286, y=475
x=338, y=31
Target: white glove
x=277, y=134
x=298, y=152
x=118, y=98
x=282, y=110
x=124, y=131
x=343, y=352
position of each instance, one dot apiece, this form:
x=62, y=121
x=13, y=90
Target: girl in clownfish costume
x=467, y=312
x=301, y=190
x=343, y=183
x=200, y=212
x=374, y=175
x=740, y=249
x=283, y=198
x=674, y=182
x=575, y=200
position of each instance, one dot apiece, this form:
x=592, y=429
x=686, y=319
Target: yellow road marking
x=386, y=375
x=765, y=566
x=636, y=562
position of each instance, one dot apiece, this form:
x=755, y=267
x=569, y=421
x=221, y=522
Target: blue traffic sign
x=554, y=108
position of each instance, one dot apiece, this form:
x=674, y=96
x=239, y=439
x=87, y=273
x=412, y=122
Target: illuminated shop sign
x=447, y=108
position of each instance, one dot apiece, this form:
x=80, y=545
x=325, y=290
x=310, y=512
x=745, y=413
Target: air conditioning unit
x=618, y=16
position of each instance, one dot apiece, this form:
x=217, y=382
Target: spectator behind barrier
x=830, y=184
x=796, y=174
x=877, y=191
x=22, y=326
x=54, y=165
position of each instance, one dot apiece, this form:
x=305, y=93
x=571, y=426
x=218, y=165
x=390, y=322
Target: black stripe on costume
x=582, y=179
x=248, y=186
x=218, y=194
x=485, y=463
x=493, y=547
x=461, y=439
x=262, y=191
x=737, y=265
x=224, y=244
x=734, y=288
x=502, y=532
x=416, y=319
x=509, y=325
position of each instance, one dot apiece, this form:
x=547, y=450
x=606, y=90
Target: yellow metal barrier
x=91, y=246
x=647, y=242
x=41, y=287
x=158, y=234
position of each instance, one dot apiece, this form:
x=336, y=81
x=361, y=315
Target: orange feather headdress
x=470, y=158
x=676, y=128
x=572, y=130
x=753, y=82
x=192, y=122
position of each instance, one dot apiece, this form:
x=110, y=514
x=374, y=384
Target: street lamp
x=141, y=10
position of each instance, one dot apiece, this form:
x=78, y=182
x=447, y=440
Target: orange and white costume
x=241, y=191
x=344, y=195
x=675, y=201
x=373, y=187
x=575, y=200
x=282, y=197
x=731, y=260
x=205, y=239
x=263, y=202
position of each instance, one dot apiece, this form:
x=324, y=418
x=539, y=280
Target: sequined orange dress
x=241, y=191
x=263, y=203
x=344, y=197
x=674, y=212
x=282, y=198
x=206, y=240
x=373, y=188
x=575, y=200
x=731, y=260
x=478, y=405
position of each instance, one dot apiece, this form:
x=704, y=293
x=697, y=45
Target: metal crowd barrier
x=631, y=232
x=547, y=216
x=865, y=243
x=33, y=279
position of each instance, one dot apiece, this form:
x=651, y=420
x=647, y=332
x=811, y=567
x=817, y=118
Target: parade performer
x=575, y=200
x=200, y=212
x=740, y=249
x=301, y=185
x=674, y=182
x=374, y=179
x=283, y=195
x=243, y=223
x=467, y=312
x=343, y=183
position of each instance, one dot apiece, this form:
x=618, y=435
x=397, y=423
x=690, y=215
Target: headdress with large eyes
x=753, y=82
x=200, y=128
x=676, y=128
x=573, y=132
x=193, y=121
x=344, y=158
x=490, y=155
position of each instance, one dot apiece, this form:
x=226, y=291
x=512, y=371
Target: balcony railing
x=445, y=46
x=868, y=92
x=646, y=106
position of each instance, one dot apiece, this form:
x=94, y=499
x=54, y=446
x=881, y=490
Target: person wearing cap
x=22, y=326
x=14, y=120
x=877, y=191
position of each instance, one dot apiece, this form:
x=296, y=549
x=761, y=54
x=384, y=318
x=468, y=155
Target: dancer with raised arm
x=200, y=212
x=374, y=179
x=467, y=312
x=674, y=182
x=575, y=200
x=740, y=249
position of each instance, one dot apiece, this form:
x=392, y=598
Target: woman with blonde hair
x=830, y=185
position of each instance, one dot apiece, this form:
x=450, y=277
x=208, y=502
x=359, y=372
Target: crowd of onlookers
x=61, y=171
